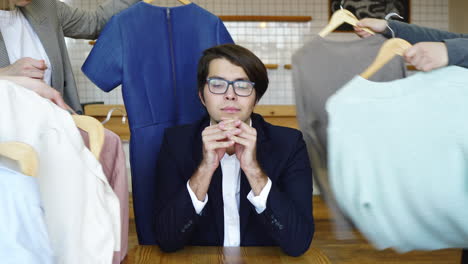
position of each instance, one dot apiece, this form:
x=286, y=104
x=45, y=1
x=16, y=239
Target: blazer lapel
x=263, y=150
x=35, y=18
x=44, y=30
x=34, y=21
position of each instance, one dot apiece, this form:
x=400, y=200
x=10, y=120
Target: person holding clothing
x=231, y=178
x=39, y=87
x=432, y=48
x=32, y=40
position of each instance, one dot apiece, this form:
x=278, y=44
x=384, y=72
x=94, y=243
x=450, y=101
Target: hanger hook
x=109, y=114
x=341, y=4
x=387, y=17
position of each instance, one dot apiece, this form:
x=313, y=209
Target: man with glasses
x=232, y=179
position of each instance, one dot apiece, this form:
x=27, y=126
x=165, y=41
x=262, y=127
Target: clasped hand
x=231, y=136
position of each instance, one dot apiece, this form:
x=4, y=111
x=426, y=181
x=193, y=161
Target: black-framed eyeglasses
x=220, y=86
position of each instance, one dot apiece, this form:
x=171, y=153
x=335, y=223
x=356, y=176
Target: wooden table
x=227, y=255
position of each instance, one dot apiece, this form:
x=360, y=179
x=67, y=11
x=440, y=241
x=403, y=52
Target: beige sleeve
x=84, y=24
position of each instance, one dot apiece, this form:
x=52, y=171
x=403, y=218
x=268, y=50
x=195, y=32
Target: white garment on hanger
x=81, y=210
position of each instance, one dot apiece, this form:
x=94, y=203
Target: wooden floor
x=352, y=251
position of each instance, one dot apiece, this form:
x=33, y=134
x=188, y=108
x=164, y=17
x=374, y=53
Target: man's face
x=229, y=104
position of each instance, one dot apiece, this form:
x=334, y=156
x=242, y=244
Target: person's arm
x=39, y=87
x=414, y=33
x=176, y=213
x=26, y=67
x=288, y=214
x=176, y=217
x=432, y=48
x=457, y=51
x=83, y=24
x=457, y=44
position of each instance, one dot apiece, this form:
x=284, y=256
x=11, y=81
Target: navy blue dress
x=153, y=52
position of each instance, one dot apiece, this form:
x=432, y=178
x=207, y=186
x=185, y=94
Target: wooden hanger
x=95, y=132
x=390, y=48
x=185, y=2
x=338, y=18
x=23, y=153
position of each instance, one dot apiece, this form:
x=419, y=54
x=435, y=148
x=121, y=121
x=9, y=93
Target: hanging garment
x=320, y=68
x=112, y=159
x=153, y=52
x=398, y=158
x=81, y=210
x=323, y=66
x=24, y=237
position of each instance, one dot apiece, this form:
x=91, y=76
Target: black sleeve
x=288, y=214
x=175, y=215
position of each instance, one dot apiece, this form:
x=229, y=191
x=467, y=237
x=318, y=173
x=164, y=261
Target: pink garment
x=112, y=160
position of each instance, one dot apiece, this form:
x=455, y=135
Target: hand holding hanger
x=23, y=153
x=374, y=24
x=340, y=17
x=39, y=87
x=424, y=56
x=427, y=56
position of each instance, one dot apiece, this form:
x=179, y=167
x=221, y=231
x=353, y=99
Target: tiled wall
x=273, y=42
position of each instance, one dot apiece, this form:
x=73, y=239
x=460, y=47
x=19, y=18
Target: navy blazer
x=287, y=220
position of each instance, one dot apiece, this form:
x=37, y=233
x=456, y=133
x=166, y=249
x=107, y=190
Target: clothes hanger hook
x=387, y=17
x=109, y=114
x=341, y=4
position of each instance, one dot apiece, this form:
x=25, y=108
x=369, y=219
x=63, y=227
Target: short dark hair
x=237, y=55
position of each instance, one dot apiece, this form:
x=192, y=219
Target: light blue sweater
x=24, y=237
x=398, y=158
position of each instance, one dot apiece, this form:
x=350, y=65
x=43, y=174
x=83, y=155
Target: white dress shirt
x=22, y=41
x=230, y=167
x=82, y=212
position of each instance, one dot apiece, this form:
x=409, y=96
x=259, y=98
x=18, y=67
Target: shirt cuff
x=197, y=204
x=260, y=201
